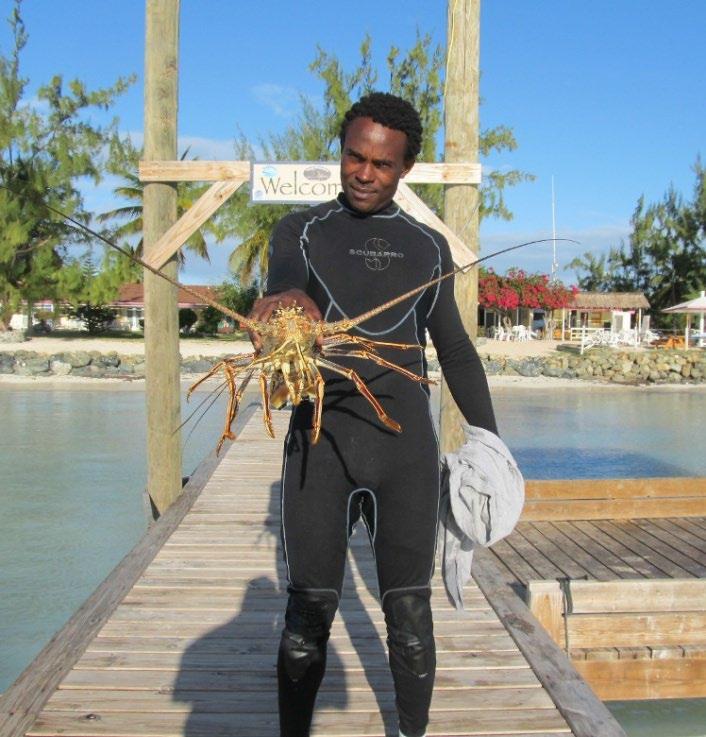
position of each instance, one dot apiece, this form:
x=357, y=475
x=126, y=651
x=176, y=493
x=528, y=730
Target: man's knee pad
x=410, y=632
x=307, y=625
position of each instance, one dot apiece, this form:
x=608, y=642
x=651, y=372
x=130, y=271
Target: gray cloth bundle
x=482, y=497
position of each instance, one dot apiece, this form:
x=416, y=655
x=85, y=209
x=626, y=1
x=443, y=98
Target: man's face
x=372, y=164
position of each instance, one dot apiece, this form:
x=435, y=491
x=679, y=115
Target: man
x=338, y=260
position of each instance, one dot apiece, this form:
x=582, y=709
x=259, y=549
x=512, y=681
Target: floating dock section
x=615, y=570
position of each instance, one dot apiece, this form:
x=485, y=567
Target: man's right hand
x=265, y=306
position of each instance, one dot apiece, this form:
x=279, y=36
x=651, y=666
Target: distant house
x=129, y=309
x=614, y=311
x=129, y=305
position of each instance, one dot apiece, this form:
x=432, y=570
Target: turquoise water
x=596, y=432
x=72, y=473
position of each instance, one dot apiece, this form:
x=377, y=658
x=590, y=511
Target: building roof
x=132, y=295
x=610, y=301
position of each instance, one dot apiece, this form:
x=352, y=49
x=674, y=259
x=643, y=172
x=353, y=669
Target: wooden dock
x=616, y=572
x=181, y=638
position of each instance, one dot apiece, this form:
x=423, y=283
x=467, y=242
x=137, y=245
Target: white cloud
x=206, y=149
x=216, y=149
x=282, y=101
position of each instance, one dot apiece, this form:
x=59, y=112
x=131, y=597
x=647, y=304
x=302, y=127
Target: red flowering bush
x=519, y=289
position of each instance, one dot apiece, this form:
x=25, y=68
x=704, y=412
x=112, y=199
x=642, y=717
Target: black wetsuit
x=349, y=262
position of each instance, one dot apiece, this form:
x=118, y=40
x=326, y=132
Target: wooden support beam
x=614, y=509
x=416, y=207
x=583, y=489
x=619, y=680
x=191, y=221
x=159, y=213
x=637, y=596
x=211, y=171
x=546, y=601
x=635, y=630
x=590, y=499
x=461, y=201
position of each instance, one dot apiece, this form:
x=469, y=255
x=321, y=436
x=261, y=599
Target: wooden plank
x=23, y=700
x=665, y=549
x=571, y=567
x=696, y=526
x=601, y=563
x=221, y=615
x=617, y=532
x=266, y=679
x=413, y=204
x=583, y=712
x=683, y=534
x=513, y=562
x=466, y=642
x=227, y=627
x=617, y=555
x=631, y=630
x=174, y=238
x=677, y=543
x=680, y=678
x=612, y=509
x=212, y=171
x=375, y=659
x=599, y=489
x=543, y=565
x=470, y=699
x=261, y=725
x=580, y=548
x=670, y=595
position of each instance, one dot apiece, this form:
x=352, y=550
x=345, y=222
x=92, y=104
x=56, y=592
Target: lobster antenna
x=244, y=321
x=347, y=324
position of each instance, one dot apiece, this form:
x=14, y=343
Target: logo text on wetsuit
x=377, y=254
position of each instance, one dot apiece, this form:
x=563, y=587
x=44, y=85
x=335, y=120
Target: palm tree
x=132, y=190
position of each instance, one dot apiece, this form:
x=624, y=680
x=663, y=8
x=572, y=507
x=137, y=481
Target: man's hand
x=264, y=307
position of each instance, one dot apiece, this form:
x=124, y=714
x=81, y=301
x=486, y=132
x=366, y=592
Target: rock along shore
x=607, y=365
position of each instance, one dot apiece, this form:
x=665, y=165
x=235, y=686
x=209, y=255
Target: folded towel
x=482, y=497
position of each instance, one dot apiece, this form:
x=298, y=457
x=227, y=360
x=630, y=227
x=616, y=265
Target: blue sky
x=607, y=96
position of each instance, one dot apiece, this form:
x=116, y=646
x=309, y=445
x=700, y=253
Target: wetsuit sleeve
x=459, y=361
x=288, y=268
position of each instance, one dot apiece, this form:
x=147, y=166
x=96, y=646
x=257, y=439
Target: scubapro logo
x=377, y=254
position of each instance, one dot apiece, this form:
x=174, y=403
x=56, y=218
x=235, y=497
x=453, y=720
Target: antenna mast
x=555, y=265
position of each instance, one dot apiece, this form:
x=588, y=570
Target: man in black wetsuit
x=338, y=260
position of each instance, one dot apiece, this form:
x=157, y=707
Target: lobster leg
x=246, y=359
x=360, y=386
x=341, y=338
x=266, y=412
x=232, y=406
x=233, y=403
x=380, y=361
x=318, y=406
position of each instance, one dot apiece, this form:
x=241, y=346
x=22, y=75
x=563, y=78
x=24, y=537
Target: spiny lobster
x=294, y=348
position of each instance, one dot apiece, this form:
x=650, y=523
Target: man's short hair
x=392, y=112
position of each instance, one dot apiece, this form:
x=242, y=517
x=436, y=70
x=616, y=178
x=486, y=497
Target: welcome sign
x=299, y=182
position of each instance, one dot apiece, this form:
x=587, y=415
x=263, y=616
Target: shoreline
x=8, y=382
x=509, y=365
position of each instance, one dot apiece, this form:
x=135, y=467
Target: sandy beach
x=196, y=347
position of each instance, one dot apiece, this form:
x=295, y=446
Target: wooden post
x=461, y=200
x=545, y=600
x=159, y=213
